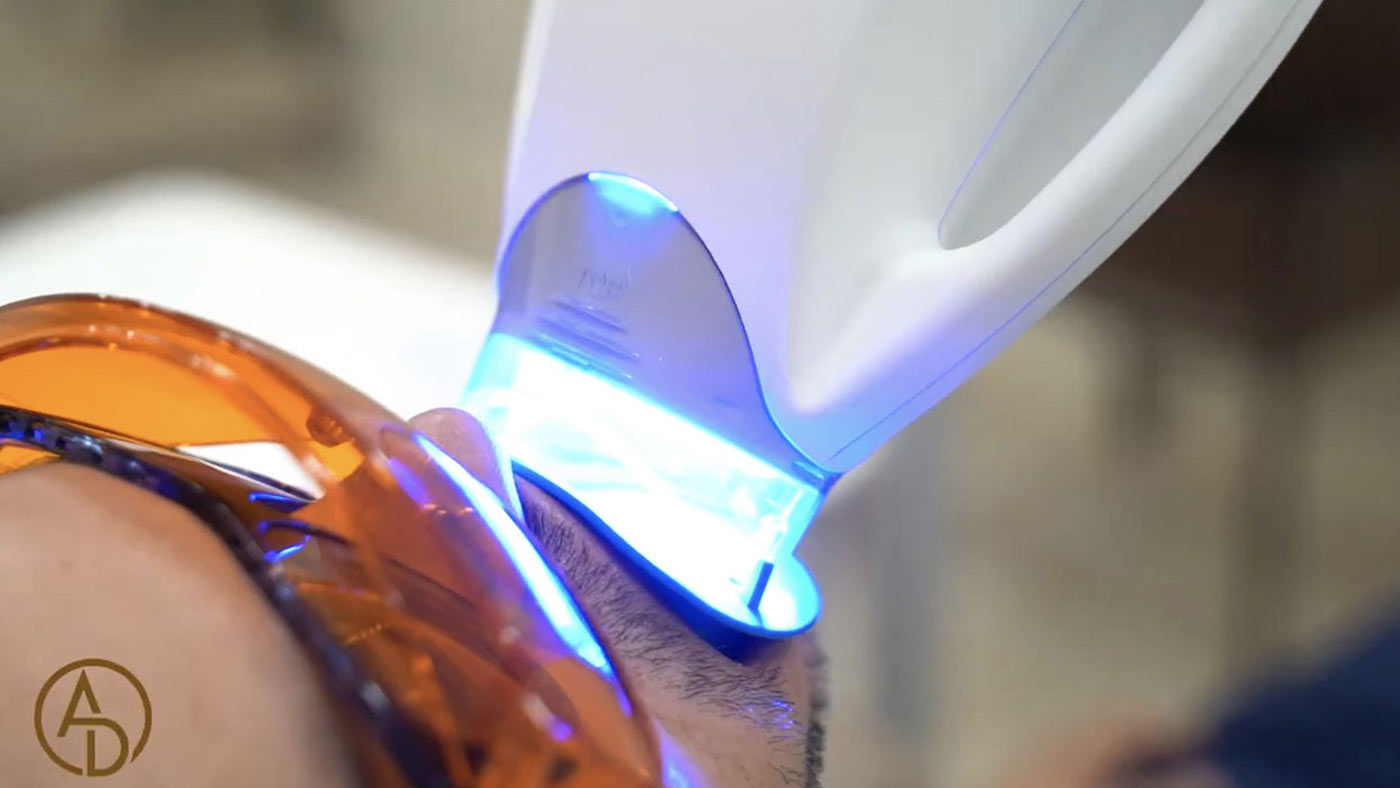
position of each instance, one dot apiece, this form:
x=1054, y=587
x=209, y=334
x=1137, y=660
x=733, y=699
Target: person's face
x=723, y=724
x=129, y=575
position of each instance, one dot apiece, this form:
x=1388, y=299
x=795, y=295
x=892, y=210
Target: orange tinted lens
x=403, y=558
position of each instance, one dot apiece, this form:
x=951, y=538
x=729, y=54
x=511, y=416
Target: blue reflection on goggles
x=554, y=600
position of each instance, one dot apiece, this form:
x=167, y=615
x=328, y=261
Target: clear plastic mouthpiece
x=618, y=375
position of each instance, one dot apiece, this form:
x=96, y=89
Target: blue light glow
x=630, y=194
x=277, y=501
x=273, y=556
x=554, y=600
x=408, y=482
x=702, y=510
x=284, y=526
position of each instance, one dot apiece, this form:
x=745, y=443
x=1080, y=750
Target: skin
x=100, y=567
x=758, y=723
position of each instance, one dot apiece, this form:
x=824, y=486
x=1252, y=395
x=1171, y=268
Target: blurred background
x=1180, y=482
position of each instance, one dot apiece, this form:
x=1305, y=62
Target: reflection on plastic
x=554, y=599
x=704, y=511
x=630, y=194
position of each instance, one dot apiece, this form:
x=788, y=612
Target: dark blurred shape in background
x=1288, y=232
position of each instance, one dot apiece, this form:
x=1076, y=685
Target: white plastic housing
x=893, y=191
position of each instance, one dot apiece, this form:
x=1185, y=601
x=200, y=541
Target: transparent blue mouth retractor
x=618, y=376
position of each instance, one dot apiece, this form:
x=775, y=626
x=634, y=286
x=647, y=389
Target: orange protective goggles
x=478, y=669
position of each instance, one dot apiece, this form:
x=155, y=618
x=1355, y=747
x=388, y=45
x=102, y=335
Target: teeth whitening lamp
x=746, y=242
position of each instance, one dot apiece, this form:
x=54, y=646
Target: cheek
x=129, y=576
x=727, y=725
x=738, y=726
x=680, y=769
x=700, y=755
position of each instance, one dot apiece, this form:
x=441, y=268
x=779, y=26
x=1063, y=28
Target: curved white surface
x=846, y=163
x=398, y=321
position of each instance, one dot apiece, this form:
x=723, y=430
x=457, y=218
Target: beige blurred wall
x=392, y=112
x=431, y=86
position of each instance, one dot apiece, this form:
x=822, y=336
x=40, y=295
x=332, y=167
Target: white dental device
x=746, y=241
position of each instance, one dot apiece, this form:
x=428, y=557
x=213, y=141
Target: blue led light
x=630, y=194
x=705, y=512
x=554, y=600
